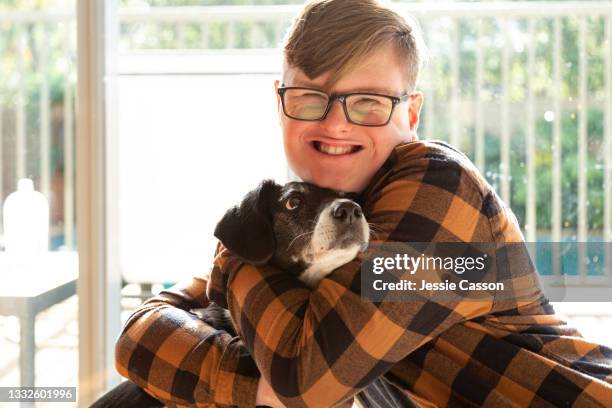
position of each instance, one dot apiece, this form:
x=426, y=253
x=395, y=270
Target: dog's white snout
x=346, y=211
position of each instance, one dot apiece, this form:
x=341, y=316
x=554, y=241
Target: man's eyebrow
x=297, y=82
x=378, y=90
x=384, y=91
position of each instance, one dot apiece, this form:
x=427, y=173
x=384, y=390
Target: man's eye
x=293, y=203
x=367, y=101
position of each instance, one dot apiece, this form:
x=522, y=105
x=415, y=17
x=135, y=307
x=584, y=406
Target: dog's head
x=297, y=227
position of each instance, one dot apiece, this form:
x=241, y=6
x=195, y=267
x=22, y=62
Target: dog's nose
x=346, y=211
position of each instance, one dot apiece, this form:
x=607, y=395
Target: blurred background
x=523, y=88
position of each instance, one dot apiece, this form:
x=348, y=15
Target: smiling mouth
x=335, y=150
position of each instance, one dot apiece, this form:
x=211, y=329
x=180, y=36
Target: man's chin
x=337, y=182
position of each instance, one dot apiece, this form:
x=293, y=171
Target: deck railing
x=524, y=88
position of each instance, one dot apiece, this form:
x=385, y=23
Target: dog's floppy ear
x=247, y=230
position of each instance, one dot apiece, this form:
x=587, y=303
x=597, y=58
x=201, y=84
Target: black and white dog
x=302, y=229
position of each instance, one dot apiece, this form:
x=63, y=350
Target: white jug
x=26, y=220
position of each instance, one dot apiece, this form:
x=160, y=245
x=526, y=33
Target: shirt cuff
x=237, y=378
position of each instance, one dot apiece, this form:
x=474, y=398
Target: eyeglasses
x=360, y=108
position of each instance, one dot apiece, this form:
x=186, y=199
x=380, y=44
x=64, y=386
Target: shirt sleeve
x=318, y=347
x=181, y=360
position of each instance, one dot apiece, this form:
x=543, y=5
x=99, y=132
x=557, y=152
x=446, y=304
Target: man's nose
x=335, y=119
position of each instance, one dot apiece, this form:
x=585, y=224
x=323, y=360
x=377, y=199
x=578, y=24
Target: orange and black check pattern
x=321, y=347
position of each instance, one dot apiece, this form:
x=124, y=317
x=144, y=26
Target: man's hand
x=216, y=288
x=266, y=395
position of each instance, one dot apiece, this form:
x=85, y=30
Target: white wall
x=190, y=146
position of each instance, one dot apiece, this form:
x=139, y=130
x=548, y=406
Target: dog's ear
x=247, y=230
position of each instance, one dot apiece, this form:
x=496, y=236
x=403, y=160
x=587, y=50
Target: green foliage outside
x=267, y=34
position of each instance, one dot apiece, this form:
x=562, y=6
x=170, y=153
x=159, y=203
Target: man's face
x=305, y=141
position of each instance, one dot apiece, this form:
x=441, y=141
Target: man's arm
x=316, y=348
x=180, y=359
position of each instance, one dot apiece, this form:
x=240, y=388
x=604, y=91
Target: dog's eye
x=293, y=203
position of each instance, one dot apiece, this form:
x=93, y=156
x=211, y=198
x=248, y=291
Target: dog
x=305, y=230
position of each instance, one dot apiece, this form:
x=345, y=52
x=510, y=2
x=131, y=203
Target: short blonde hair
x=337, y=35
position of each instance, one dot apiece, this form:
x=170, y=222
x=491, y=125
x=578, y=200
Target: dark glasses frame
x=342, y=98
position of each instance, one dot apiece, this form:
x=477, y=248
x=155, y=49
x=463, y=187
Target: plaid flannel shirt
x=318, y=348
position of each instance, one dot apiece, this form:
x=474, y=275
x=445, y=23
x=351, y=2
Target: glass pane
x=525, y=97
x=38, y=259
x=183, y=157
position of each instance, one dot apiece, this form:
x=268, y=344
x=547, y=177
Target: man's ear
x=414, y=110
x=247, y=230
x=279, y=107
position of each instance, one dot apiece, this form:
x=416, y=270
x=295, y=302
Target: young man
x=320, y=348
